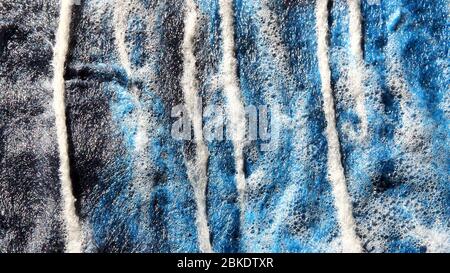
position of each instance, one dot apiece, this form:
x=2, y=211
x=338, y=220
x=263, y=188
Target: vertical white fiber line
x=120, y=28
x=357, y=67
x=350, y=242
x=236, y=111
x=141, y=137
x=194, y=108
x=71, y=221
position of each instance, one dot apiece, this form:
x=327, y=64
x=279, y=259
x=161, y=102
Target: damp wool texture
x=357, y=159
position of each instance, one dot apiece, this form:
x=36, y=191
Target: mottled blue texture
x=134, y=199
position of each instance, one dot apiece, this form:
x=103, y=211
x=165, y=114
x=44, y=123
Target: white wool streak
x=194, y=108
x=120, y=25
x=350, y=242
x=236, y=112
x=357, y=67
x=71, y=221
x=141, y=139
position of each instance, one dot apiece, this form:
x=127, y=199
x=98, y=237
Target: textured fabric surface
x=140, y=189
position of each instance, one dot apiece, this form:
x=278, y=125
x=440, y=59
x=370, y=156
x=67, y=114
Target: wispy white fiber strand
x=71, y=221
x=189, y=84
x=120, y=25
x=236, y=111
x=141, y=139
x=357, y=68
x=350, y=242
